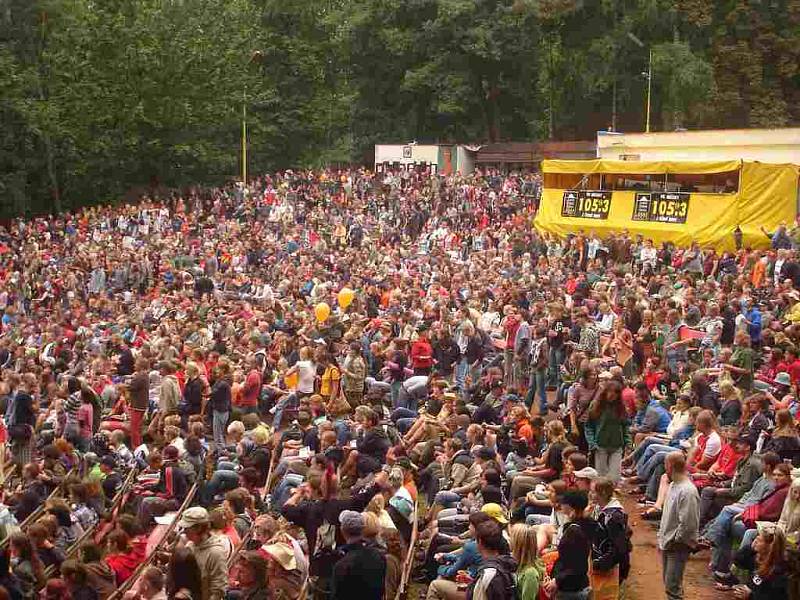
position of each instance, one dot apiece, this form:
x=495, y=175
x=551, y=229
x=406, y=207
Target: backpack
x=508, y=579
x=602, y=522
x=326, y=554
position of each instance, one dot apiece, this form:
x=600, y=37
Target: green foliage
x=102, y=97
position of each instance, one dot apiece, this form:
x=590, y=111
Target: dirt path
x=644, y=582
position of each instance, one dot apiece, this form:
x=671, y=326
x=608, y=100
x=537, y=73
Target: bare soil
x=644, y=582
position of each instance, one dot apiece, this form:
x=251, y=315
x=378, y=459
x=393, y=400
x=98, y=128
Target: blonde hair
x=372, y=525
x=377, y=505
x=789, y=520
x=192, y=370
x=728, y=390
x=556, y=431
x=524, y=546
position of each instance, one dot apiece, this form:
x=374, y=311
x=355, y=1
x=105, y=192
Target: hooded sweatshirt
x=210, y=555
x=495, y=579
x=101, y=578
x=611, y=546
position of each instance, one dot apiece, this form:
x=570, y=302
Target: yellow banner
x=767, y=197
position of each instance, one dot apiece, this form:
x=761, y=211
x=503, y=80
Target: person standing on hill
x=677, y=535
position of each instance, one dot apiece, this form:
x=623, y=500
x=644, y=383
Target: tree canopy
x=99, y=98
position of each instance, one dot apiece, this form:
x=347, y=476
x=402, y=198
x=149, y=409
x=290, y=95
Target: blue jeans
x=447, y=499
x=657, y=458
x=461, y=373
x=653, y=457
x=224, y=479
x=405, y=400
x=287, y=401
x=722, y=552
x=717, y=528
x=556, y=359
x=395, y=392
x=219, y=426
x=646, y=443
x=283, y=490
x=404, y=418
x=538, y=385
x=654, y=481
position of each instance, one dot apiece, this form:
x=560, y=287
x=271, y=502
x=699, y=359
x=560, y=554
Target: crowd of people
x=334, y=384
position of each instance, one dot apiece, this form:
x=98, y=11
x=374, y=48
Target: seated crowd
x=185, y=416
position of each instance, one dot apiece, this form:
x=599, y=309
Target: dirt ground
x=644, y=582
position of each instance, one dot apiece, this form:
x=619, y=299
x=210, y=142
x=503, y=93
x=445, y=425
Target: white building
x=775, y=146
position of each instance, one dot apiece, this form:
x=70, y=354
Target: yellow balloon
x=322, y=311
x=345, y=298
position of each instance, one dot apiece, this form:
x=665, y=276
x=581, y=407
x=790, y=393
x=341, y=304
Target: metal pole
x=244, y=136
x=614, y=105
x=649, y=89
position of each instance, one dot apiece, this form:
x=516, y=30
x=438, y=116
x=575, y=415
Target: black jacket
x=374, y=443
x=310, y=514
x=221, y=396
x=787, y=447
x=571, y=569
x=193, y=396
x=612, y=546
x=773, y=587
x=359, y=573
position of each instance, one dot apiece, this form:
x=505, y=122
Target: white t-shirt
x=306, y=372
x=489, y=321
x=713, y=445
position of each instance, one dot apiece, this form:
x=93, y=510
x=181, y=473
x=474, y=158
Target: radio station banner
x=586, y=204
x=661, y=207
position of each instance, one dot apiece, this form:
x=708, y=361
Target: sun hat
x=783, y=378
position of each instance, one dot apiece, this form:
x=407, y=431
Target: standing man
x=139, y=399
x=252, y=388
x=208, y=549
x=679, y=529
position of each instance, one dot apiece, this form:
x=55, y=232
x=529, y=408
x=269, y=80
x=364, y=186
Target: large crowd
x=342, y=384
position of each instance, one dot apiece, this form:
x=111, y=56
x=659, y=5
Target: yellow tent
x=680, y=202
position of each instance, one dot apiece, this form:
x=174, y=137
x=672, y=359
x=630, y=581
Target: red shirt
x=651, y=379
x=251, y=389
x=511, y=325
x=794, y=371
x=727, y=459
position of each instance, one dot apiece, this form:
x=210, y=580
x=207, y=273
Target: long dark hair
x=609, y=396
x=184, y=573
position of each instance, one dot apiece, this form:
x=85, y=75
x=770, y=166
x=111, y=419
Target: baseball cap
x=196, y=515
x=495, y=511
